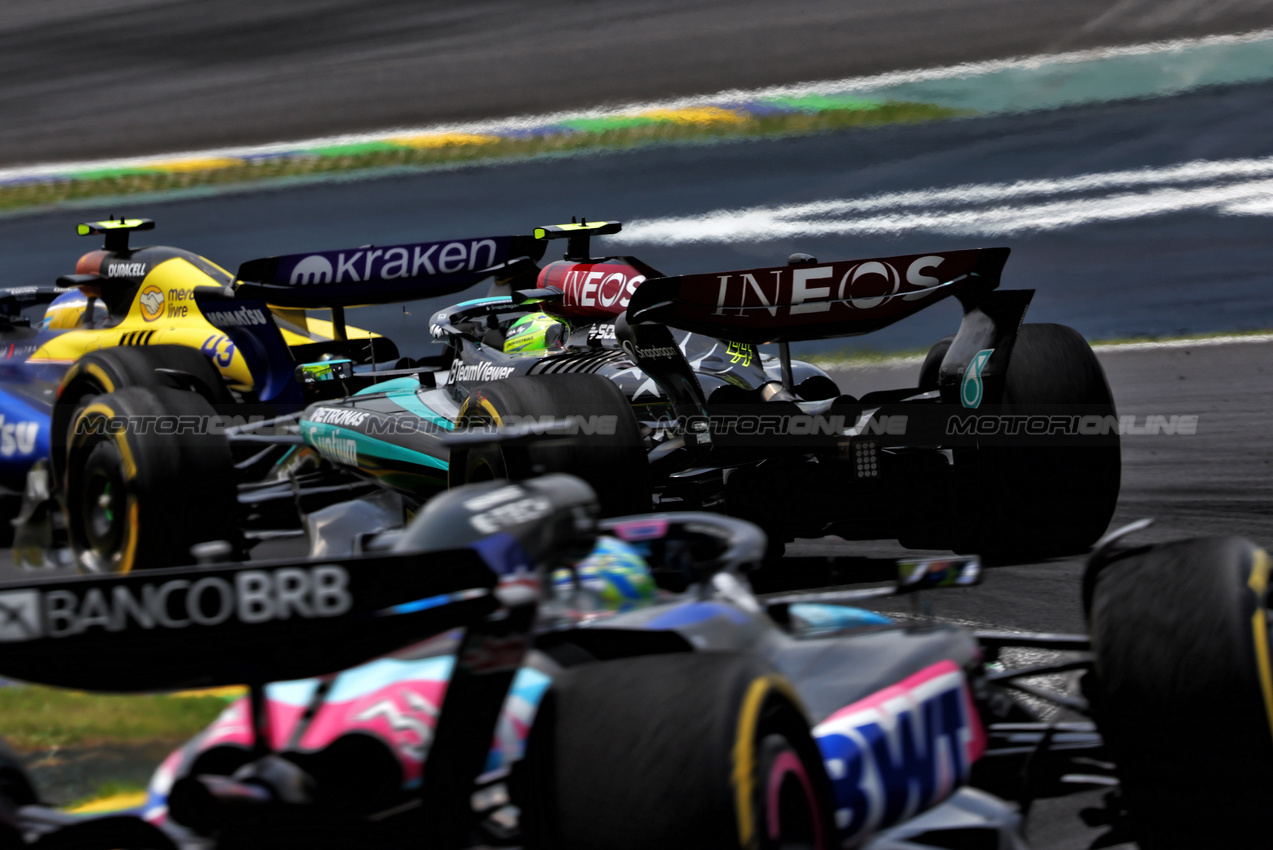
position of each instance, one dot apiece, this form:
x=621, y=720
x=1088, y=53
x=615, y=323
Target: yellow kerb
x=225, y=692
x=210, y=163
x=442, y=140
x=696, y=115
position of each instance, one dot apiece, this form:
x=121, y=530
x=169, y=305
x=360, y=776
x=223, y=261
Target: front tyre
x=146, y=480
x=606, y=448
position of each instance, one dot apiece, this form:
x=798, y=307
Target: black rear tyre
x=111, y=369
x=696, y=751
x=929, y=370
x=1183, y=693
x=147, y=478
x=614, y=464
x=1030, y=501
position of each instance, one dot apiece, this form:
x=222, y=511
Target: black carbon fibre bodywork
x=726, y=427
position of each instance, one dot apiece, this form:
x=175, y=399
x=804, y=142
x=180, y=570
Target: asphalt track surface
x=84, y=80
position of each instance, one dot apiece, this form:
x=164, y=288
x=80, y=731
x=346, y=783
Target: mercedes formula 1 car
x=1006, y=444
x=506, y=671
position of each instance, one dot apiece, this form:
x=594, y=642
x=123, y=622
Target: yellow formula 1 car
x=168, y=296
x=166, y=317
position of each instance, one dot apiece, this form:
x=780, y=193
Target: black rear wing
x=805, y=301
x=385, y=274
x=815, y=300
x=270, y=621
x=207, y=626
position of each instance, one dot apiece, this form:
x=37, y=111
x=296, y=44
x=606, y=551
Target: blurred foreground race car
x=1006, y=445
x=552, y=681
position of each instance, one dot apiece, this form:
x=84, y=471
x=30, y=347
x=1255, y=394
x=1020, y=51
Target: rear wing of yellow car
x=386, y=274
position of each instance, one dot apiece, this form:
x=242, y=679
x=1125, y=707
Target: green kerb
x=601, y=125
x=823, y=103
x=352, y=150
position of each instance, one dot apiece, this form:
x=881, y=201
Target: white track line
x=1204, y=342
x=1101, y=348
x=1231, y=187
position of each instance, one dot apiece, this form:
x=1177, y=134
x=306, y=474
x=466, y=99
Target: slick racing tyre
x=687, y=751
x=111, y=369
x=16, y=787
x=1182, y=691
x=16, y=790
x=146, y=481
x=1027, y=501
x=611, y=459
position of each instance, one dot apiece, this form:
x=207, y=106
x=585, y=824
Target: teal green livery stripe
x=402, y=392
x=389, y=451
x=489, y=300
x=345, y=446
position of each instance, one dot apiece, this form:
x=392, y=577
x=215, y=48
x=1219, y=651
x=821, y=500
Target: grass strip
x=35, y=717
x=610, y=134
x=851, y=358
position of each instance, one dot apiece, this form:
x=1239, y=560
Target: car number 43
x=219, y=349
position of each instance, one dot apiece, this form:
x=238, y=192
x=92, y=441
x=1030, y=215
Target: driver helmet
x=67, y=311
x=536, y=333
x=614, y=577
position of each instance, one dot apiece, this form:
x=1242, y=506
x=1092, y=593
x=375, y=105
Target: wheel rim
x=104, y=509
x=791, y=808
x=485, y=463
x=480, y=470
x=102, y=518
